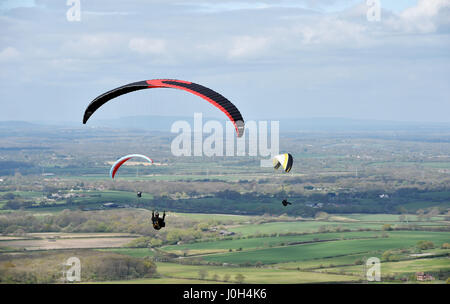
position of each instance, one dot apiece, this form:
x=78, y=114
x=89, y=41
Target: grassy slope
x=250, y=243
x=298, y=227
x=410, y=266
x=134, y=252
x=252, y=275
x=396, y=240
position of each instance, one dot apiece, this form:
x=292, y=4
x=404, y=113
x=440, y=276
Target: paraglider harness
x=157, y=221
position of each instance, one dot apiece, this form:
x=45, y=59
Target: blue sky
x=301, y=59
x=396, y=6
x=11, y=4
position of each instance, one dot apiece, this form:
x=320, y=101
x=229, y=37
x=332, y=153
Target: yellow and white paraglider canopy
x=285, y=160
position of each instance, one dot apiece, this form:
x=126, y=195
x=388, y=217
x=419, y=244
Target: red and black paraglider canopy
x=207, y=94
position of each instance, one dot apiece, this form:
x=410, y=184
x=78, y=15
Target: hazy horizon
x=212, y=117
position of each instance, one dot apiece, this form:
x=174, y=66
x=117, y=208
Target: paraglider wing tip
x=86, y=116
x=240, y=127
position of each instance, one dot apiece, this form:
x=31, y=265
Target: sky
x=273, y=59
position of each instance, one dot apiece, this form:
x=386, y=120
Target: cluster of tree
x=174, y=236
x=389, y=255
x=118, y=268
x=77, y=221
x=424, y=245
x=95, y=266
x=182, y=229
x=11, y=167
x=238, y=278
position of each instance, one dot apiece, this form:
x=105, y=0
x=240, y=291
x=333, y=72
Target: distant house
x=314, y=205
x=226, y=233
x=110, y=205
x=55, y=196
x=421, y=276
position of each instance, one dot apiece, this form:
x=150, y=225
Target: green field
x=300, y=227
x=229, y=177
x=325, y=262
x=259, y=253
x=94, y=196
x=134, y=252
x=264, y=242
x=404, y=267
x=396, y=240
x=435, y=165
x=215, y=217
x=251, y=274
x=379, y=217
x=322, y=258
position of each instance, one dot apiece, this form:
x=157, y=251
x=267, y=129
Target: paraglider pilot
x=285, y=203
x=157, y=221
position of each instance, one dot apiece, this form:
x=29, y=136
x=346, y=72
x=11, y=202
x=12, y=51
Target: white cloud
x=108, y=13
x=426, y=17
x=9, y=54
x=211, y=7
x=244, y=46
x=328, y=31
x=425, y=8
x=92, y=45
x=147, y=46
